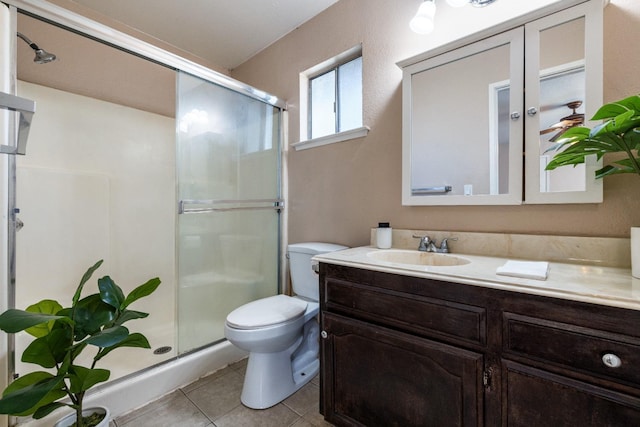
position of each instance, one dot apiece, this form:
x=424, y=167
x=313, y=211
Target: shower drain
x=162, y=350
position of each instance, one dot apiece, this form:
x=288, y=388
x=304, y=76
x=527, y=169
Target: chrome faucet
x=428, y=245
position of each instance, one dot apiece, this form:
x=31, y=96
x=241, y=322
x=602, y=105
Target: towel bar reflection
x=25, y=108
x=431, y=190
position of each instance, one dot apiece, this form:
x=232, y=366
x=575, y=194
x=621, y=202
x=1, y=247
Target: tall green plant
x=619, y=133
x=61, y=335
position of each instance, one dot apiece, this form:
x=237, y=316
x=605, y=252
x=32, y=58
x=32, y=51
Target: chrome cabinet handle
x=324, y=334
x=515, y=115
x=610, y=360
x=532, y=111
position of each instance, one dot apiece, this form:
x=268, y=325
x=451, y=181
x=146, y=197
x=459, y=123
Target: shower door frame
x=8, y=194
x=72, y=21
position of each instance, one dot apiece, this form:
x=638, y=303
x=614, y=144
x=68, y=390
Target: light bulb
x=457, y=3
x=423, y=23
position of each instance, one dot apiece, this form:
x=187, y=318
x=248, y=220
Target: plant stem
x=79, y=420
x=634, y=161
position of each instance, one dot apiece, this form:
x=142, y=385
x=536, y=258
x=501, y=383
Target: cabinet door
x=563, y=86
x=532, y=398
x=462, y=129
x=378, y=377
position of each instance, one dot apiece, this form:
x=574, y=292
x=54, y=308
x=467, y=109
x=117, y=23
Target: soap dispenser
x=383, y=235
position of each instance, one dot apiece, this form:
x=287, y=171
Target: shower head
x=42, y=56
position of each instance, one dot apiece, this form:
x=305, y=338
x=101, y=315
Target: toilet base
x=272, y=377
x=264, y=388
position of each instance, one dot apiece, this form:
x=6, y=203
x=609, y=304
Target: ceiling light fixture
x=423, y=22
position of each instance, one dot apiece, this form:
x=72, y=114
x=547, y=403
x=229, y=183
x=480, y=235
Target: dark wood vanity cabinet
x=405, y=351
x=390, y=378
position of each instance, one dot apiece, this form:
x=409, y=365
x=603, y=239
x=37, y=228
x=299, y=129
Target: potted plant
x=61, y=335
x=620, y=134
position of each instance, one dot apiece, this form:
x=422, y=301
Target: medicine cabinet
x=473, y=107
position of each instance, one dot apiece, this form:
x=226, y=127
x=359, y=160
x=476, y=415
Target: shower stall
x=158, y=166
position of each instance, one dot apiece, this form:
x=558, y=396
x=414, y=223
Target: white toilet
x=281, y=333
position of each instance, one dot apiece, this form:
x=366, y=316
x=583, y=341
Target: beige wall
x=96, y=16
x=338, y=192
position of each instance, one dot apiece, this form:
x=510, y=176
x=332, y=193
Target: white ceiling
x=225, y=32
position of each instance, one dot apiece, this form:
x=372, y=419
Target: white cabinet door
x=563, y=87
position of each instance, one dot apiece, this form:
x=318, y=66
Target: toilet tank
x=303, y=279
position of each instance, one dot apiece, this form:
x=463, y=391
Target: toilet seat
x=266, y=312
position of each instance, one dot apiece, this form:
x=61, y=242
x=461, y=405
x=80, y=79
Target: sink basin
x=400, y=256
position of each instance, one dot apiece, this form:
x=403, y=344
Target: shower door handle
x=26, y=109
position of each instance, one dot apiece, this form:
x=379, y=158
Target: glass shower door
x=228, y=157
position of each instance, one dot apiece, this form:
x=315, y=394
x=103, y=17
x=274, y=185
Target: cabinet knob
x=515, y=115
x=324, y=334
x=532, y=111
x=611, y=360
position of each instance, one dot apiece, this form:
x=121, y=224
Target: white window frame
x=306, y=142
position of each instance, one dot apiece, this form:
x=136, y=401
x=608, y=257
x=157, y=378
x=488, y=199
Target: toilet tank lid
x=315, y=248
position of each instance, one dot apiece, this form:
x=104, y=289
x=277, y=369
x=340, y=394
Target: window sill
x=331, y=139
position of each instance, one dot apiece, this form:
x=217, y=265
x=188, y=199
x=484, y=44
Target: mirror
x=456, y=152
x=467, y=111
x=566, y=93
x=562, y=92
x=462, y=131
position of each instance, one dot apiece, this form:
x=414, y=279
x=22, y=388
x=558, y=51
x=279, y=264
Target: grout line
x=197, y=407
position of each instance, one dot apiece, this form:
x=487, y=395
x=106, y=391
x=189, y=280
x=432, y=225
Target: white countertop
x=593, y=284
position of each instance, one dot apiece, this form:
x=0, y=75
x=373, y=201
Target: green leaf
x=45, y=410
x=48, y=350
x=632, y=102
x=14, y=320
x=127, y=315
x=82, y=379
x=141, y=291
x=607, y=170
x=39, y=352
x=619, y=124
x=576, y=131
x=110, y=292
x=85, y=277
x=46, y=306
x=29, y=392
x=108, y=337
x=90, y=315
x=134, y=340
x=613, y=109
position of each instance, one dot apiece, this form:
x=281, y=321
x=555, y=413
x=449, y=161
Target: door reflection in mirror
x=450, y=143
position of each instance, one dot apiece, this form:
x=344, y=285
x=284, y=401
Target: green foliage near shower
x=61, y=335
x=619, y=133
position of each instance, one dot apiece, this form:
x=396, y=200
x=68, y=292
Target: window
x=335, y=100
x=331, y=101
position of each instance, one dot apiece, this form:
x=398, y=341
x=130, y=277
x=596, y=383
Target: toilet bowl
x=281, y=333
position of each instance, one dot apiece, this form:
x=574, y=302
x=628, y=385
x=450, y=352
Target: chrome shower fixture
x=42, y=56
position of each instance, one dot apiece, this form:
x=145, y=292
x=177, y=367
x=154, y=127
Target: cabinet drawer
x=411, y=313
x=575, y=347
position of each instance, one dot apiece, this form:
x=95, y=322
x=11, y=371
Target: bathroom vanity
x=460, y=346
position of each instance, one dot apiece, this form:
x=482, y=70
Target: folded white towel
x=528, y=269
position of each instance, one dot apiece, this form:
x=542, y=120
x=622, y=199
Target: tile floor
x=214, y=401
